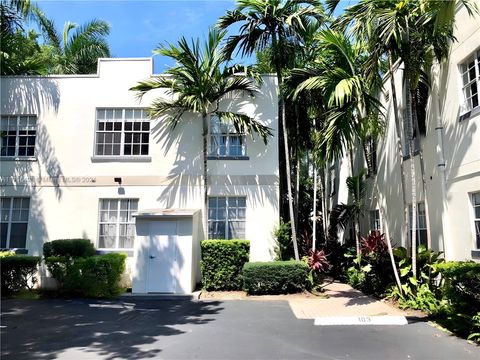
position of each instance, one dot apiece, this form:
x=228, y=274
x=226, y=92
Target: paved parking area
x=146, y=329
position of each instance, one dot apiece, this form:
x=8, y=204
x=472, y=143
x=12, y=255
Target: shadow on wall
x=109, y=329
x=34, y=96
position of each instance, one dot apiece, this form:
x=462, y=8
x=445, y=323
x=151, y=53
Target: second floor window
x=470, y=72
x=407, y=135
x=18, y=134
x=122, y=132
x=224, y=140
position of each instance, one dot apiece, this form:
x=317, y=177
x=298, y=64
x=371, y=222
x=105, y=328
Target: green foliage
x=6, y=253
x=475, y=335
x=283, y=241
x=222, y=263
x=94, y=276
x=355, y=277
x=277, y=277
x=70, y=248
x=18, y=272
x=419, y=292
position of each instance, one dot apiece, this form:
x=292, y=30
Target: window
x=375, y=220
x=226, y=217
x=476, y=217
x=14, y=222
x=116, y=225
x=224, y=139
x=421, y=224
x=407, y=131
x=122, y=132
x=470, y=72
x=18, y=135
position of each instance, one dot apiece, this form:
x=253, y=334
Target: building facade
x=448, y=196
x=80, y=159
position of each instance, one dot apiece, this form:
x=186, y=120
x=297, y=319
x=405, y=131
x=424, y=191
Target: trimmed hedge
x=275, y=277
x=222, y=263
x=73, y=248
x=18, y=272
x=94, y=276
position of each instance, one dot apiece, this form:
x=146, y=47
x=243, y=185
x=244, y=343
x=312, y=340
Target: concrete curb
x=129, y=296
x=360, y=320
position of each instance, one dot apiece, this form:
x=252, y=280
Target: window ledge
x=18, y=158
x=214, y=157
x=469, y=114
x=476, y=254
x=129, y=252
x=121, y=159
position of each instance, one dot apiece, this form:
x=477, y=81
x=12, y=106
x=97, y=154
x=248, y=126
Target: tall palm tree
x=276, y=24
x=77, y=48
x=196, y=84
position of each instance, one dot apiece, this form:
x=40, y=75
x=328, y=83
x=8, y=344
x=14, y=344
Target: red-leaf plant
x=317, y=261
x=374, y=245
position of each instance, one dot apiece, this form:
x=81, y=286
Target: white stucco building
x=448, y=208
x=80, y=159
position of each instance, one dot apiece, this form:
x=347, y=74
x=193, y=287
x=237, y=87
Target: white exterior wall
x=449, y=206
x=170, y=177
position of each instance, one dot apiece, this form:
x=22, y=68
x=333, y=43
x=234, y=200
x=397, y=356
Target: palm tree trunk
x=205, y=174
x=411, y=144
x=282, y=123
x=400, y=151
x=314, y=224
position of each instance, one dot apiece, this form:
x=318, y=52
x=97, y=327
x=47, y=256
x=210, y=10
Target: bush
x=18, y=272
x=71, y=248
x=276, y=277
x=283, y=241
x=222, y=263
x=94, y=276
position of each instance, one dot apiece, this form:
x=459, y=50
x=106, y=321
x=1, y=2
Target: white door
x=162, y=253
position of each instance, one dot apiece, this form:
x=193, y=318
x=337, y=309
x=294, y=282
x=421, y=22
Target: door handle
x=152, y=257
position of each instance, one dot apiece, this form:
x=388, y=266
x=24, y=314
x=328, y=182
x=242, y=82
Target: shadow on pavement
x=127, y=329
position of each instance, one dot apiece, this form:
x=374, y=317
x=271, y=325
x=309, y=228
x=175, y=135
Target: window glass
x=226, y=217
x=117, y=225
x=18, y=135
x=14, y=221
x=476, y=220
x=470, y=74
x=422, y=237
x=224, y=140
x=122, y=132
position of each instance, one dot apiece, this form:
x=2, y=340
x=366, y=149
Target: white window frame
x=228, y=131
x=122, y=132
x=117, y=224
x=418, y=228
x=18, y=128
x=375, y=222
x=476, y=241
x=11, y=221
x=463, y=70
x=227, y=219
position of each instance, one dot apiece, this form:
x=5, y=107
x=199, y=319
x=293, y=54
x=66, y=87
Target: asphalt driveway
x=145, y=329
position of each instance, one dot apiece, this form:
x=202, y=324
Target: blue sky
x=137, y=27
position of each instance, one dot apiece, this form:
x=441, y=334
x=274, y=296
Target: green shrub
x=18, y=272
x=276, y=277
x=72, y=248
x=222, y=263
x=283, y=241
x=7, y=253
x=94, y=276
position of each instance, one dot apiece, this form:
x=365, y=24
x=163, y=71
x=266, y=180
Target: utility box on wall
x=167, y=251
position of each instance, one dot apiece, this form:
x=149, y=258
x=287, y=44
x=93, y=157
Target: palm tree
x=196, y=84
x=77, y=49
x=276, y=24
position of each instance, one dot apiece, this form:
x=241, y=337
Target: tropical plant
x=276, y=24
x=198, y=81
x=77, y=48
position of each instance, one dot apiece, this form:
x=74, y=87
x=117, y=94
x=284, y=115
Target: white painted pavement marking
x=360, y=320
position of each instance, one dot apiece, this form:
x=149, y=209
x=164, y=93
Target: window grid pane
x=224, y=139
x=421, y=228
x=18, y=135
x=470, y=74
x=476, y=215
x=14, y=221
x=226, y=217
x=116, y=223
x=122, y=132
